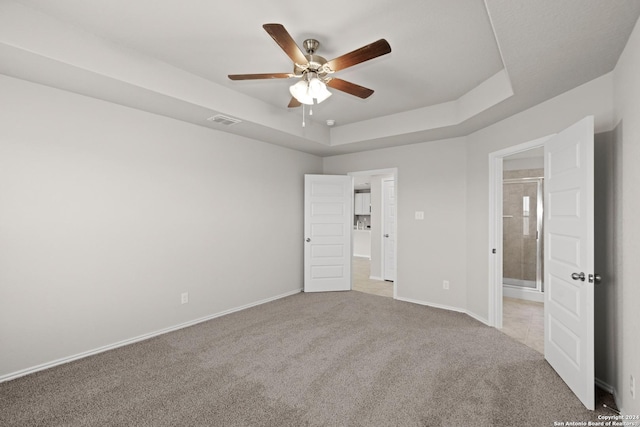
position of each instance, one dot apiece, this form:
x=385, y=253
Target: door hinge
x=494, y=251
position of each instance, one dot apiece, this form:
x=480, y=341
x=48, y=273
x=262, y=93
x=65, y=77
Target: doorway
x=374, y=254
x=509, y=159
x=522, y=247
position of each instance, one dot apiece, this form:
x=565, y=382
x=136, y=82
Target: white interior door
x=568, y=240
x=389, y=229
x=328, y=220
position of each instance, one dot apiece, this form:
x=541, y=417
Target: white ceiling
x=455, y=66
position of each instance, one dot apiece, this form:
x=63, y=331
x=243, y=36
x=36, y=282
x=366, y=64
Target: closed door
x=389, y=229
x=328, y=215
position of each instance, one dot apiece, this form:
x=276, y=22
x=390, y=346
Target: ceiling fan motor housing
x=311, y=45
x=316, y=63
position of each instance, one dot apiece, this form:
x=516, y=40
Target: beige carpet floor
x=323, y=359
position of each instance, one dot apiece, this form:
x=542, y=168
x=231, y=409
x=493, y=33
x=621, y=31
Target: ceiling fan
x=315, y=72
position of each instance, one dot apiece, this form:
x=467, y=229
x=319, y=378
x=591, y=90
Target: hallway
x=524, y=321
x=362, y=282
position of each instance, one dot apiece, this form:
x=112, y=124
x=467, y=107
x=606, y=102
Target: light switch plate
x=419, y=214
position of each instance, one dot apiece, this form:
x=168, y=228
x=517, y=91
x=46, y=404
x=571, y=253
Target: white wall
x=520, y=164
x=108, y=214
x=431, y=178
x=627, y=154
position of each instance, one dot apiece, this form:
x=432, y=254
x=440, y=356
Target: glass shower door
x=522, y=233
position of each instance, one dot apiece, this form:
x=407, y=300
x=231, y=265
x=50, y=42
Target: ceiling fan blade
x=365, y=53
x=350, y=88
x=260, y=76
x=294, y=103
x=286, y=42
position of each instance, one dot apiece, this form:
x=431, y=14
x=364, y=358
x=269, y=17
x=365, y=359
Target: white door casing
x=328, y=219
x=389, y=229
x=496, y=225
x=569, y=241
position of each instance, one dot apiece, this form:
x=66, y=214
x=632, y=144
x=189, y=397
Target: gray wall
x=108, y=214
x=607, y=328
x=626, y=267
x=593, y=98
x=431, y=178
x=436, y=178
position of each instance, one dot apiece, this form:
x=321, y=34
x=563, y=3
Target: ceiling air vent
x=223, y=120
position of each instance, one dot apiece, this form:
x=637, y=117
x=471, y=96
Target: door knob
x=595, y=278
x=308, y=239
x=576, y=276
x=386, y=235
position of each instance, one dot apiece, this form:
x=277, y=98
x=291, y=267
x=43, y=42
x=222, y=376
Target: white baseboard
x=143, y=337
x=446, y=307
x=478, y=317
x=376, y=278
x=522, y=293
x=610, y=389
x=606, y=387
x=530, y=284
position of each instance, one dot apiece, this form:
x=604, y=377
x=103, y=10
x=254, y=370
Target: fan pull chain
x=303, y=124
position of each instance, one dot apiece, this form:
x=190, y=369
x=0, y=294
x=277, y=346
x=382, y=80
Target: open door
x=569, y=264
x=328, y=220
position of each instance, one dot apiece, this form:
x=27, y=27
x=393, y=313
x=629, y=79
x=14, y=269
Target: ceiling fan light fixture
x=300, y=91
x=318, y=90
x=310, y=88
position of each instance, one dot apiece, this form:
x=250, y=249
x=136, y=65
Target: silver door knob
x=308, y=239
x=386, y=235
x=576, y=276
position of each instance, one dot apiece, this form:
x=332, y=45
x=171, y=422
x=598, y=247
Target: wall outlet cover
x=419, y=214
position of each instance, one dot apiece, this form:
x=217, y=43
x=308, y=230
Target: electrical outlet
x=632, y=386
x=419, y=215
x=184, y=298
x=445, y=284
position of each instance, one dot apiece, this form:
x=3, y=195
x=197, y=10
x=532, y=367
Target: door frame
x=495, y=224
x=383, y=204
x=394, y=172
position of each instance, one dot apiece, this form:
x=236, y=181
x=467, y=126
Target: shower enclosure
x=522, y=234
